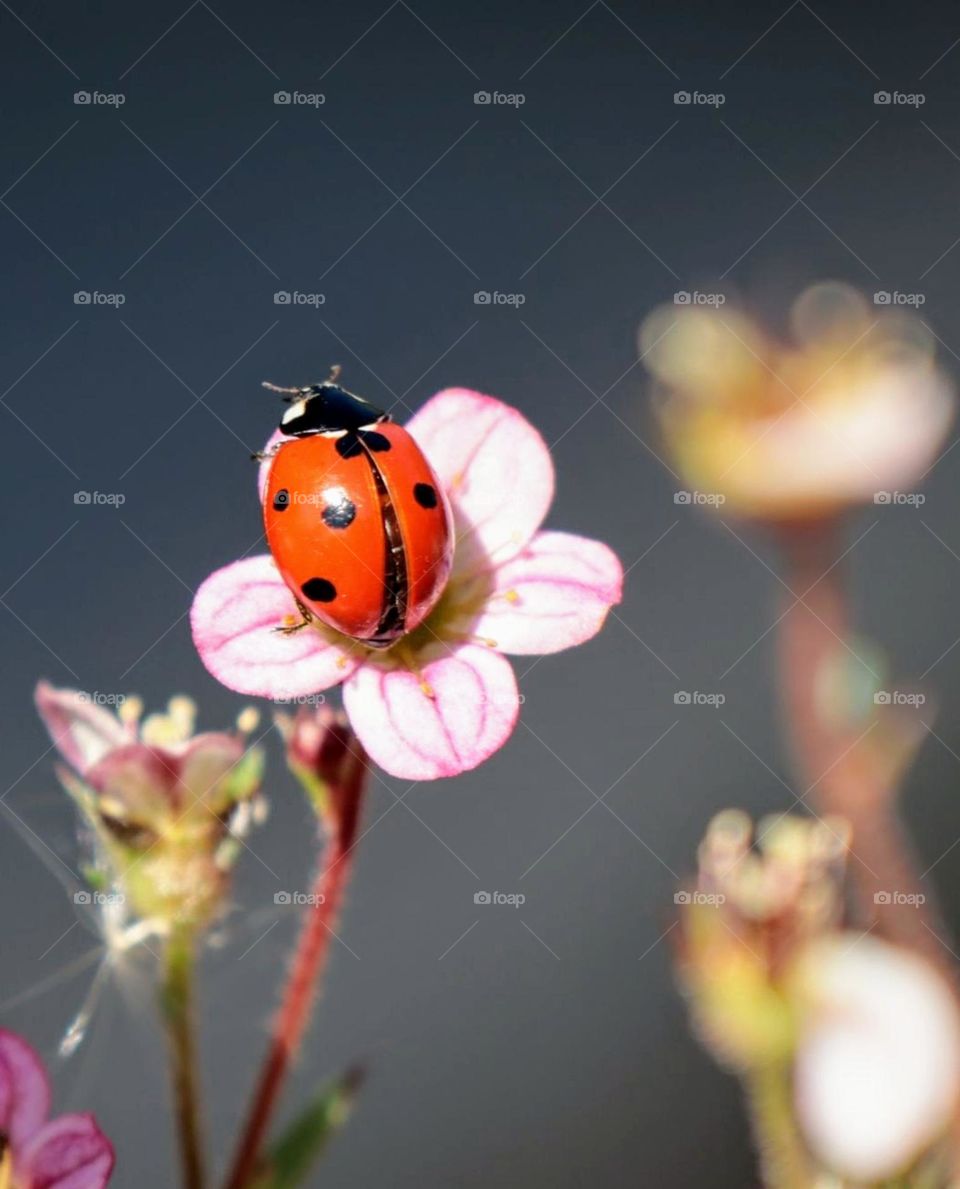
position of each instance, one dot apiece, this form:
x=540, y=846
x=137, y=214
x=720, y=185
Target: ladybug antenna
x=288, y=393
x=335, y=371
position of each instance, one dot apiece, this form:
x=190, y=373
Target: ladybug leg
x=263, y=455
x=287, y=629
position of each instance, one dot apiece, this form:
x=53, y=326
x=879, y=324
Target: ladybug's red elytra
x=356, y=519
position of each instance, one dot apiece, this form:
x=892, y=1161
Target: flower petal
x=553, y=595
x=24, y=1089
x=138, y=783
x=69, y=1153
x=495, y=467
x=82, y=731
x=233, y=617
x=878, y=1069
x=416, y=736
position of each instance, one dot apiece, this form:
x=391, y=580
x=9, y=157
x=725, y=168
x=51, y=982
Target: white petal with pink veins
x=553, y=595
x=82, y=731
x=878, y=1067
x=234, y=616
x=496, y=469
x=470, y=713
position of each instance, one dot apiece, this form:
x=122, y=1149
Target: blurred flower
x=743, y=923
x=854, y=411
x=443, y=698
x=166, y=805
x=70, y=1152
x=329, y=761
x=877, y=1070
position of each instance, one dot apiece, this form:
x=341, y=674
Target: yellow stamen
x=248, y=720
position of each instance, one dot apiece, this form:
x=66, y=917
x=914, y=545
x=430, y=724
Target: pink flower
x=444, y=698
x=70, y=1152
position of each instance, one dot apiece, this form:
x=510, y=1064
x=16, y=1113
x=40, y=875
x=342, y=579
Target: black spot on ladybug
x=340, y=515
x=281, y=501
x=425, y=495
x=319, y=590
x=349, y=446
x=376, y=443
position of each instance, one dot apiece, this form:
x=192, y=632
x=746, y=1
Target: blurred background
x=381, y=165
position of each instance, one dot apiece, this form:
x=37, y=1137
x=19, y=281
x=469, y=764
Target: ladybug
x=355, y=517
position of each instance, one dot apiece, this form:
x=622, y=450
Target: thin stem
x=178, y=1014
x=783, y=1160
x=845, y=770
x=299, y=995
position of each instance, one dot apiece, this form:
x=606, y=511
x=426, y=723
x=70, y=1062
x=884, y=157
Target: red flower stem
x=848, y=775
x=302, y=988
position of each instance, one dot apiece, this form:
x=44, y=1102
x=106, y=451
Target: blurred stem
x=301, y=990
x=837, y=761
x=783, y=1160
x=178, y=1013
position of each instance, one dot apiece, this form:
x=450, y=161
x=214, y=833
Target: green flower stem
x=783, y=1161
x=178, y=1014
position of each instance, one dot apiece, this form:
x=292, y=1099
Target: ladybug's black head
x=325, y=408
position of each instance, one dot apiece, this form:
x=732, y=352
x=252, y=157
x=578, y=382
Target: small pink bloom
x=70, y=1152
x=444, y=698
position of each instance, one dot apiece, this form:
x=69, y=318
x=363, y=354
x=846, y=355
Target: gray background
x=547, y=1046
